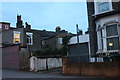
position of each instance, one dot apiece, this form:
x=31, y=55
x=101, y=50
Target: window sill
x=108, y=51
x=102, y=12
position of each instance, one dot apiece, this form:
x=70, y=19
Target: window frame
x=114, y=36
x=31, y=36
x=16, y=32
x=98, y=2
x=6, y=27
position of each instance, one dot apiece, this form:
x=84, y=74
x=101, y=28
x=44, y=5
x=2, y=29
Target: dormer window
x=102, y=6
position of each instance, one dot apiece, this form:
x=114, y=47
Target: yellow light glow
x=110, y=44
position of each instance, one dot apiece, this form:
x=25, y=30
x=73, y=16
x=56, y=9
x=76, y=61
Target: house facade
x=104, y=28
x=23, y=35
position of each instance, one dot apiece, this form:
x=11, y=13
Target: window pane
x=16, y=40
x=111, y=30
x=113, y=43
x=16, y=37
x=104, y=6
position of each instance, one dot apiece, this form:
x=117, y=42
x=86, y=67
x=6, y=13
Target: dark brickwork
x=11, y=57
x=92, y=28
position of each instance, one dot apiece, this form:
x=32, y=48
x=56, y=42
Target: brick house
x=55, y=41
x=24, y=38
x=104, y=28
x=23, y=35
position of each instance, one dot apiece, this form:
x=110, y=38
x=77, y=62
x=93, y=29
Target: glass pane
x=16, y=35
x=113, y=43
x=104, y=6
x=111, y=30
x=27, y=40
x=16, y=40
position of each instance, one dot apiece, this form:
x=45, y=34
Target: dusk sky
x=47, y=15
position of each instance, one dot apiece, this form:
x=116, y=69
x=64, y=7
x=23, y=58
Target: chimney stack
x=19, y=23
x=58, y=29
x=28, y=27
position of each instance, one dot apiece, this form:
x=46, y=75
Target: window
x=103, y=6
x=112, y=37
x=60, y=40
x=43, y=42
x=6, y=27
x=29, y=38
x=113, y=43
x=16, y=37
x=111, y=30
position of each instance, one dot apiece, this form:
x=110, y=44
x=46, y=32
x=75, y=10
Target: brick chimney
x=28, y=27
x=58, y=29
x=19, y=23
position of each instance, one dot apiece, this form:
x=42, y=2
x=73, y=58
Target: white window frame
x=102, y=1
x=31, y=35
x=112, y=36
x=16, y=32
x=6, y=27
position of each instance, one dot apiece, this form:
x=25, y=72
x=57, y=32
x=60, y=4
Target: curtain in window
x=111, y=30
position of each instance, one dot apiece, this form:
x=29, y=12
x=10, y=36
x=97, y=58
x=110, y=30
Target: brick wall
x=105, y=69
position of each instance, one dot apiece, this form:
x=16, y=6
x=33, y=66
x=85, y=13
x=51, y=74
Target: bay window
x=112, y=37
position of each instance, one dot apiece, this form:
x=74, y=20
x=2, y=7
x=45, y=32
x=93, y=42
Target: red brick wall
x=11, y=57
x=106, y=69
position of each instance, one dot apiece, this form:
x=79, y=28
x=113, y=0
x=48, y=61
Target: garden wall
x=105, y=69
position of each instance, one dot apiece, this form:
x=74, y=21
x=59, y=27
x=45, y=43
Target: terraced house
x=22, y=38
x=104, y=29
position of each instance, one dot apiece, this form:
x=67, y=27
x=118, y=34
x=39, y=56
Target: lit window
x=29, y=38
x=60, y=40
x=16, y=37
x=112, y=37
